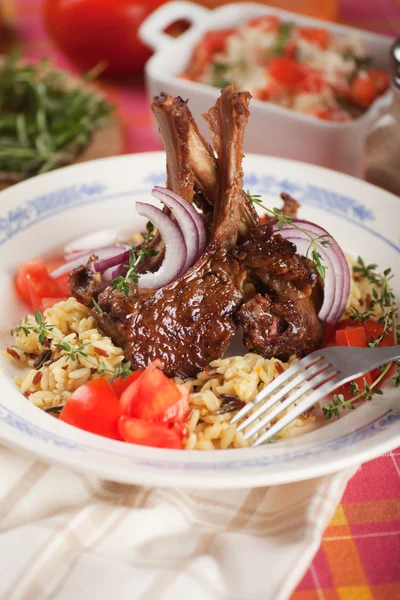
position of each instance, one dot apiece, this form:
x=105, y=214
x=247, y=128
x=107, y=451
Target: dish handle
x=152, y=29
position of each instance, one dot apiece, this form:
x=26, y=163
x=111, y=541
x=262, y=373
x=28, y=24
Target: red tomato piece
x=94, y=407
x=314, y=35
x=352, y=336
x=37, y=282
x=211, y=43
x=180, y=410
x=367, y=86
x=180, y=428
x=49, y=302
x=158, y=435
x=295, y=76
x=374, y=330
x=62, y=282
x=215, y=41
x=266, y=23
x=151, y=395
x=119, y=384
x=21, y=288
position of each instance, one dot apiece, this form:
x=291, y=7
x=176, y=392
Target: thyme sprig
x=122, y=370
x=43, y=329
x=73, y=352
x=137, y=254
x=383, y=297
x=313, y=251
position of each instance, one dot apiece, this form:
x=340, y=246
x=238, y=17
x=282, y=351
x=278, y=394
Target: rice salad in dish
x=302, y=68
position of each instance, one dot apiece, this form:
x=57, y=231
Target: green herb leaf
x=44, y=121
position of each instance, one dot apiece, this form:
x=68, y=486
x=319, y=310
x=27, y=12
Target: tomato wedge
x=152, y=396
x=367, y=86
x=158, y=435
x=33, y=283
x=94, y=407
x=119, y=384
x=314, y=35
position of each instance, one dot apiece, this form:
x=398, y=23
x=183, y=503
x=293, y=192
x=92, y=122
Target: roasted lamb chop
x=191, y=321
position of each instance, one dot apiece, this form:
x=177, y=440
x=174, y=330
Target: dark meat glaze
x=191, y=321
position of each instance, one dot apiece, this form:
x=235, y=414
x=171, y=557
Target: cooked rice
x=223, y=387
x=216, y=389
x=60, y=375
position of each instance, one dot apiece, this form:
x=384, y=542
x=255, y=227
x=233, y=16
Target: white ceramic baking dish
x=272, y=129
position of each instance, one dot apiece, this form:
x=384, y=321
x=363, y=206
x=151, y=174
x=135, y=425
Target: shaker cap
x=395, y=56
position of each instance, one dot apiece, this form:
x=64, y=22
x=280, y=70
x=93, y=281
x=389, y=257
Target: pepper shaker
x=383, y=144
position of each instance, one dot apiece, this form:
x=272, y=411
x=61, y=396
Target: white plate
x=39, y=215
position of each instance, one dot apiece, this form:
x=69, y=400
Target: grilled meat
x=191, y=321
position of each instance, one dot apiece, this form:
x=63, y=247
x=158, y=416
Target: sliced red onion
x=337, y=277
x=186, y=225
x=81, y=259
x=175, y=248
x=120, y=255
x=201, y=230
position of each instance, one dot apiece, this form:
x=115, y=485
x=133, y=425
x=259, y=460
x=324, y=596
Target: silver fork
x=316, y=375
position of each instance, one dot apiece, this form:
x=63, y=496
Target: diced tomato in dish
x=367, y=86
x=158, y=435
x=212, y=43
x=296, y=76
x=94, y=407
x=319, y=37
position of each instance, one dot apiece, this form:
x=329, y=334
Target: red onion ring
x=337, y=278
x=119, y=256
x=193, y=213
x=186, y=225
x=82, y=258
x=175, y=248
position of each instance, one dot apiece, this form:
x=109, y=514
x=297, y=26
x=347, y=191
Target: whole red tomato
x=92, y=30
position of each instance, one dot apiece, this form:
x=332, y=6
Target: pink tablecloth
x=359, y=558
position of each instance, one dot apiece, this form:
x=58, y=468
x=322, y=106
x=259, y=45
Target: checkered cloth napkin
x=66, y=535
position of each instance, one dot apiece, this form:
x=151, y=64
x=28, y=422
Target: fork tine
x=309, y=385
x=276, y=383
x=283, y=391
x=307, y=403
